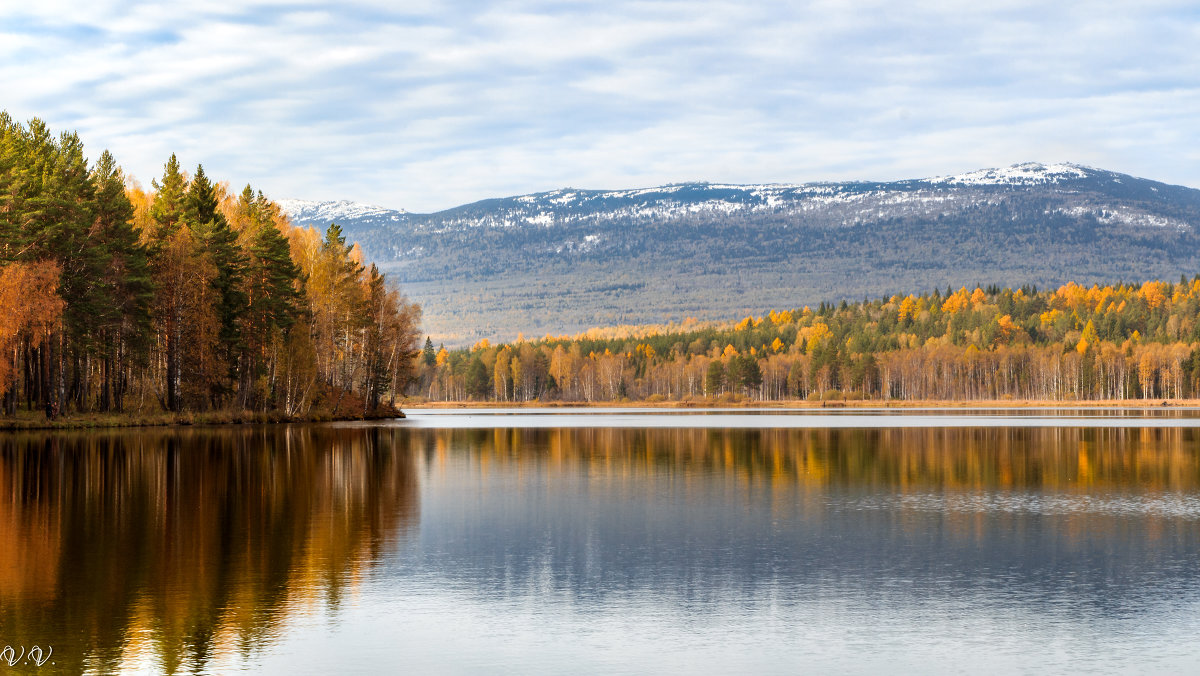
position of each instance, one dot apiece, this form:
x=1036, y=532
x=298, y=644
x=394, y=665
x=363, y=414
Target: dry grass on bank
x=33, y=420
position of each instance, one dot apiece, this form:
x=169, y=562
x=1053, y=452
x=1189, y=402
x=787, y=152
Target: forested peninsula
x=1132, y=342
x=192, y=302
x=185, y=302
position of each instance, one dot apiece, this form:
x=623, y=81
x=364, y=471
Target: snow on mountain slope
x=572, y=258
x=676, y=200
x=332, y=211
x=1027, y=173
x=567, y=214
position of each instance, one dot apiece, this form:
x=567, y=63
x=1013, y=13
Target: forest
x=564, y=261
x=187, y=297
x=1073, y=343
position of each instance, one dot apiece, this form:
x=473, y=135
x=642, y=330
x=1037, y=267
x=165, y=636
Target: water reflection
x=1060, y=458
x=861, y=550
x=168, y=549
x=608, y=550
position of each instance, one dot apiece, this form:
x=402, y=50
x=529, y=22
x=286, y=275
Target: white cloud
x=438, y=104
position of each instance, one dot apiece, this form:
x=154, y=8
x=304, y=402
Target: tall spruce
x=166, y=250
x=203, y=215
x=125, y=325
x=274, y=297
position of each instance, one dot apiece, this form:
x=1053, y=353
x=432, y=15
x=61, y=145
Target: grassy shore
x=32, y=420
x=799, y=404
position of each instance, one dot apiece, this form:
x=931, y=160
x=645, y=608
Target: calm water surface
x=611, y=542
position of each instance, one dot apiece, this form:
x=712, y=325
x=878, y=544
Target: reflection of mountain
x=204, y=549
x=1097, y=517
x=178, y=546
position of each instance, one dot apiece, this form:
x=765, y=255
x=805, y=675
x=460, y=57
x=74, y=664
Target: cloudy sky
x=426, y=105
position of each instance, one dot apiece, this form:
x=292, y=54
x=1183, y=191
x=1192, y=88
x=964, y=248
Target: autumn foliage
x=30, y=310
x=1139, y=341
x=185, y=297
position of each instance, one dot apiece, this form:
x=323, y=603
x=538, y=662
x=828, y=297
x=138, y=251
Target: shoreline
x=799, y=405
x=32, y=421
x=28, y=420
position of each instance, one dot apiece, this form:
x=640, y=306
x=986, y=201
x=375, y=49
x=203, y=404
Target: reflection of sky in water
x=533, y=418
x=537, y=567
x=367, y=549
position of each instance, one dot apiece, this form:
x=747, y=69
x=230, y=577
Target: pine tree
x=427, y=354
x=168, y=208
x=169, y=250
x=220, y=242
x=125, y=325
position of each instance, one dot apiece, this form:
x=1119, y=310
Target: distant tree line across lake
x=186, y=297
x=1123, y=341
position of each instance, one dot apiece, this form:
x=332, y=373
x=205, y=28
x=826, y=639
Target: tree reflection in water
x=168, y=547
x=183, y=550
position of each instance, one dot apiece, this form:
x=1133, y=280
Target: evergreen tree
x=168, y=208
x=273, y=296
x=714, y=378
x=427, y=354
x=169, y=251
x=125, y=324
x=477, y=383
x=221, y=243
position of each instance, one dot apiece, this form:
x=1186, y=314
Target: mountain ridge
x=568, y=259
x=1020, y=174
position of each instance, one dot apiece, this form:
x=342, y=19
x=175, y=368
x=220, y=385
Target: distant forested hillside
x=1075, y=343
x=571, y=259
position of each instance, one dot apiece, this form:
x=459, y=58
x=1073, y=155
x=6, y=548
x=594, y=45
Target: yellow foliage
x=730, y=351
x=744, y=324
x=1072, y=295
x=1008, y=328
x=957, y=302
x=908, y=307
x=816, y=334
x=1050, y=317
x=442, y=356
x=481, y=345
x=1154, y=293
x=978, y=298
x=777, y=345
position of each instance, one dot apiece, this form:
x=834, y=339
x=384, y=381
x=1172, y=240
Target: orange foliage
x=30, y=308
x=1154, y=293
x=957, y=302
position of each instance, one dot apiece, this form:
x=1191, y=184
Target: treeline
x=186, y=297
x=1124, y=341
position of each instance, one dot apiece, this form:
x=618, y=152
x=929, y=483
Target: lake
x=610, y=542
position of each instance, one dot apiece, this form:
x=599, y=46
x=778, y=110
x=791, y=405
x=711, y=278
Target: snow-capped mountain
x=712, y=249
x=1028, y=173
x=329, y=211
x=849, y=202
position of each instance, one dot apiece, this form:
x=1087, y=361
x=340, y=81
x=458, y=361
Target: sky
x=427, y=105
